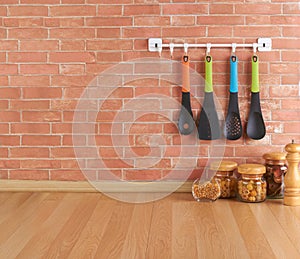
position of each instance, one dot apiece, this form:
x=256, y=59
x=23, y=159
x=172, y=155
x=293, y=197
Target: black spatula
x=186, y=122
x=233, y=126
x=208, y=126
x=255, y=127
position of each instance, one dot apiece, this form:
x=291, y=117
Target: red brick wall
x=51, y=49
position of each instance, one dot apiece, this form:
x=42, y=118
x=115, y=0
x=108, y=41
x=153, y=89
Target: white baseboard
x=84, y=186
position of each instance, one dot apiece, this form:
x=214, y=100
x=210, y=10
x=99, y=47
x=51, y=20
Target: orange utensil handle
x=186, y=74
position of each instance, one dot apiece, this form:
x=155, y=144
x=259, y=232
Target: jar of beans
x=206, y=190
x=224, y=176
x=275, y=171
x=252, y=186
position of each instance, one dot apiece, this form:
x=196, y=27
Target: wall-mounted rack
x=156, y=45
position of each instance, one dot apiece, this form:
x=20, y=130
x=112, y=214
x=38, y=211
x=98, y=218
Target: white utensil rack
x=157, y=45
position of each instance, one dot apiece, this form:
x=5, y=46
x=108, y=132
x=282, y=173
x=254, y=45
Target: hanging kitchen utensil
x=186, y=122
x=233, y=126
x=255, y=127
x=208, y=126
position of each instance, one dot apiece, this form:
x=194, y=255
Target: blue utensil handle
x=233, y=74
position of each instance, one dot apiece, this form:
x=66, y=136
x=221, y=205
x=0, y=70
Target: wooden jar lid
x=223, y=165
x=251, y=169
x=277, y=156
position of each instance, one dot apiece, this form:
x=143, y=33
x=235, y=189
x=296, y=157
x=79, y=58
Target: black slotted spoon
x=233, y=129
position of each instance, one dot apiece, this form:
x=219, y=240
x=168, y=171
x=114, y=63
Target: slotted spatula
x=255, y=127
x=233, y=126
x=208, y=126
x=186, y=122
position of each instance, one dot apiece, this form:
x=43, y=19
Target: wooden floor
x=91, y=225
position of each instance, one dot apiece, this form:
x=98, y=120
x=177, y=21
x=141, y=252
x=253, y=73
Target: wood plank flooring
x=92, y=225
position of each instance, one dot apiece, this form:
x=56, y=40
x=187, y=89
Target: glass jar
x=252, y=186
x=224, y=176
x=206, y=191
x=276, y=169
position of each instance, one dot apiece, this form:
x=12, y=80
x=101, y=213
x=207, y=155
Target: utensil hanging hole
x=208, y=58
x=255, y=58
x=233, y=58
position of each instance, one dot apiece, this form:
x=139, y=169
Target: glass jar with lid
x=224, y=175
x=206, y=190
x=276, y=169
x=252, y=186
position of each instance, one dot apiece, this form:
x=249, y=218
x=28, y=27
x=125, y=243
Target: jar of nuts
x=252, y=187
x=206, y=191
x=275, y=171
x=224, y=176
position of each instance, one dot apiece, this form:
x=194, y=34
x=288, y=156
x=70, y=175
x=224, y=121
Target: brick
x=281, y=43
x=290, y=56
x=69, y=163
x=62, y=152
x=220, y=8
x=285, y=115
x=292, y=127
x=289, y=79
x=109, y=45
x=4, y=128
x=3, y=10
x=258, y=8
x=109, y=56
x=284, y=68
x=8, y=69
x=256, y=31
x=71, y=81
x=110, y=2
x=3, y=33
x=9, y=140
x=109, y=21
x=34, y=10
x=291, y=104
x=70, y=69
x=9, y=116
x=40, y=45
x=70, y=33
x=289, y=8
x=9, y=163
x=63, y=104
x=141, y=9
x=108, y=33
x=42, y=92
x=73, y=1
x=152, y=21
x=67, y=57
x=8, y=45
x=178, y=9
x=23, y=22
x=74, y=45
x=40, y=164
x=69, y=10
x=29, y=152
x=40, y=140
x=28, y=57
x=220, y=20
x=68, y=140
x=195, y=31
x=220, y=31
x=284, y=20
x=4, y=152
x=29, y=175
x=285, y=138
x=4, y=174
x=61, y=128
x=41, y=116
x=38, y=81
x=4, y=104
x=29, y=105
x=67, y=175
x=30, y=128
x=140, y=32
x=182, y=20
x=50, y=2
x=39, y=69
x=291, y=31
x=27, y=33
x=258, y=20
x=108, y=10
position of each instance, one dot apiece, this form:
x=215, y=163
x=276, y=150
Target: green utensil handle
x=208, y=75
x=255, y=80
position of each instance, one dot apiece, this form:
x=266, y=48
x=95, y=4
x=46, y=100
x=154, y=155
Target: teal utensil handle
x=233, y=74
x=208, y=75
x=255, y=79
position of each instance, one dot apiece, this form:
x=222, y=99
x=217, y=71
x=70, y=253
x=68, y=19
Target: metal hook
x=233, y=48
x=159, y=50
x=255, y=45
x=208, y=47
x=185, y=46
x=171, y=49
